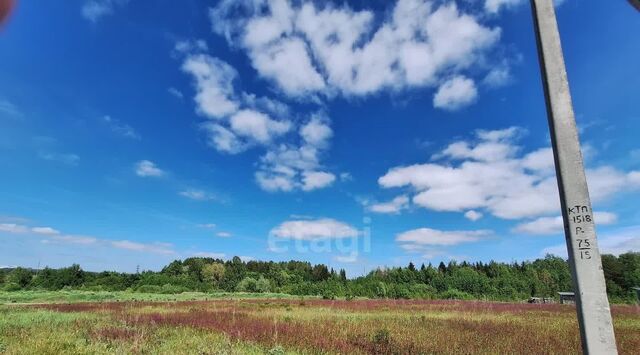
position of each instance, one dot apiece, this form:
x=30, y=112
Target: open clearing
x=309, y=326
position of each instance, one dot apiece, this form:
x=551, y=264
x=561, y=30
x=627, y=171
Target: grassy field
x=73, y=296
x=292, y=326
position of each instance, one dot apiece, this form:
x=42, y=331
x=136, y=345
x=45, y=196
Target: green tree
x=213, y=273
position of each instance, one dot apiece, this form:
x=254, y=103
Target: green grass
x=24, y=331
x=253, y=324
x=72, y=296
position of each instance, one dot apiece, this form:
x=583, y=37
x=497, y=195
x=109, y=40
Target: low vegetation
x=302, y=326
x=484, y=281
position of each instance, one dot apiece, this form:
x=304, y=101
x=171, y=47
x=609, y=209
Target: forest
x=497, y=281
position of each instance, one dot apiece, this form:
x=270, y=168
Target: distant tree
x=262, y=285
x=442, y=268
x=20, y=276
x=248, y=284
x=213, y=273
x=411, y=267
x=320, y=273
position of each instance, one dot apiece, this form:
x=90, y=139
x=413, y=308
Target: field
x=219, y=324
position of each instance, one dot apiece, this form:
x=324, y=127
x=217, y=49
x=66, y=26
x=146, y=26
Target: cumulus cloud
x=396, y=205
x=242, y=120
x=455, y=93
x=495, y=6
x=223, y=234
x=555, y=225
x=146, y=168
x=423, y=239
x=325, y=228
x=94, y=10
x=239, y=120
x=289, y=167
x=258, y=126
x=491, y=173
x=307, y=49
x=214, y=84
x=473, y=215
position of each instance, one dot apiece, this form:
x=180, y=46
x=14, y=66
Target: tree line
x=514, y=281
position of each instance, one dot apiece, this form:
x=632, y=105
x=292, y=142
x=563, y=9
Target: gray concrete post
x=592, y=304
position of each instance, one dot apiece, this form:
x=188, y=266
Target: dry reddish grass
x=371, y=326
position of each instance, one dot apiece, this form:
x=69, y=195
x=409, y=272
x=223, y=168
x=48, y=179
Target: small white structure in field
x=567, y=297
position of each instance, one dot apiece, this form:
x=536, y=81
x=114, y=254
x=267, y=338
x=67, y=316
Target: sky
x=357, y=134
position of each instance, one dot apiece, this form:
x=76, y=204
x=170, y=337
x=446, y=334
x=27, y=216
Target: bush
x=328, y=295
x=172, y=289
x=454, y=294
x=12, y=286
x=149, y=289
x=248, y=284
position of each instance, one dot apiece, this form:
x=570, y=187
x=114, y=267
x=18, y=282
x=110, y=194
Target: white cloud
x=94, y=10
x=198, y=195
x=146, y=168
x=155, y=248
x=306, y=49
x=312, y=180
x=290, y=167
x=257, y=126
x=214, y=85
x=64, y=158
x=396, y=205
x=223, y=234
x=175, y=92
x=51, y=235
x=455, y=93
x=491, y=173
x=347, y=259
x=13, y=228
x=45, y=230
x=494, y=6
x=472, y=215
x=120, y=128
x=498, y=76
x=426, y=237
x=555, y=225
x=207, y=225
x=74, y=239
x=325, y=228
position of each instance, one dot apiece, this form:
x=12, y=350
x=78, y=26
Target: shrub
x=12, y=286
x=149, y=289
x=454, y=294
x=248, y=284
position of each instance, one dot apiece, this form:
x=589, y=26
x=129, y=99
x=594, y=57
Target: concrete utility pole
x=592, y=304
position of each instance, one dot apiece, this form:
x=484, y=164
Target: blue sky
x=357, y=134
